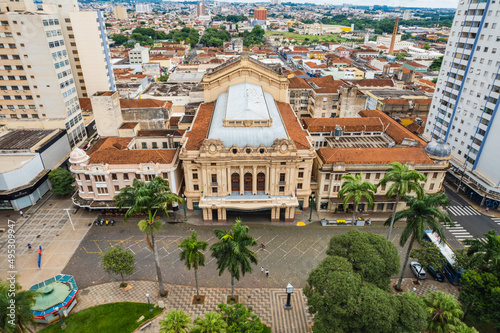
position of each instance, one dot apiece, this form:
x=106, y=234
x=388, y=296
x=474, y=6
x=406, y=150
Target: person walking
x=262, y=246
x=262, y=269
x=267, y=273
x=21, y=213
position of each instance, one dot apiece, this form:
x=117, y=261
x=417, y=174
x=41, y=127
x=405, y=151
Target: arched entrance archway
x=248, y=182
x=261, y=181
x=235, y=182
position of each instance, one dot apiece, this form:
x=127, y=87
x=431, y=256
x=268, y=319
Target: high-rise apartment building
x=467, y=99
x=406, y=14
x=260, y=14
x=120, y=13
x=200, y=9
x=50, y=58
x=142, y=8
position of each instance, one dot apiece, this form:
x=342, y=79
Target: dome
x=438, y=150
x=78, y=156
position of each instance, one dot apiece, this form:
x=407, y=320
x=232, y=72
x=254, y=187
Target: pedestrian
x=21, y=213
x=267, y=273
x=487, y=209
x=262, y=246
x=29, y=246
x=262, y=269
x=369, y=221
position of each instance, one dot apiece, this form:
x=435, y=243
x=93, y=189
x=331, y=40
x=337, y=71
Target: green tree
x=421, y=214
x=371, y=256
x=429, y=254
x=403, y=181
x=62, y=181
x=175, y=321
x=413, y=317
x=15, y=308
x=480, y=296
x=119, y=39
x=117, y=260
x=426, y=46
x=444, y=311
x=485, y=255
x=212, y=323
x=291, y=29
x=232, y=251
x=436, y=64
x=355, y=189
x=192, y=256
x=241, y=319
x=163, y=78
x=149, y=198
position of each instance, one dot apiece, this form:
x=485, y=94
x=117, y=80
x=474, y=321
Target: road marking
x=459, y=232
x=462, y=210
x=496, y=220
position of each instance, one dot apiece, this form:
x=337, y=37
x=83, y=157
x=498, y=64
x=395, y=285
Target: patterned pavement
x=267, y=303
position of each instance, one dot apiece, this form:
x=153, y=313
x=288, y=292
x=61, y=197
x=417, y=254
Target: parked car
x=437, y=275
x=418, y=270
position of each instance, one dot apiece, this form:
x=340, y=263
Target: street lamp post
x=184, y=206
x=289, y=291
x=311, y=203
x=63, y=325
x=149, y=303
x=70, y=220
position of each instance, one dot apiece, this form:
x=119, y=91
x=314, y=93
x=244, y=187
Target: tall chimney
x=394, y=32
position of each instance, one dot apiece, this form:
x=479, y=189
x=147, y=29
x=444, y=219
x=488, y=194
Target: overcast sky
x=401, y=3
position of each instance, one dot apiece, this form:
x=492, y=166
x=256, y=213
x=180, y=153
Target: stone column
x=222, y=216
x=268, y=180
x=254, y=180
x=229, y=180
x=275, y=211
x=289, y=214
x=205, y=215
x=242, y=181
x=219, y=214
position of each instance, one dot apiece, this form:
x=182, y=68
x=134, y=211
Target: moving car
x=436, y=274
x=418, y=270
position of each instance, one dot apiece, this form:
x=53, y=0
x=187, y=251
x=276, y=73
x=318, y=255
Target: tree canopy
x=215, y=37
x=374, y=258
x=118, y=260
x=188, y=35
x=62, y=181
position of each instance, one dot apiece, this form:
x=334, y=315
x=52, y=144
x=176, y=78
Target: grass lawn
x=106, y=318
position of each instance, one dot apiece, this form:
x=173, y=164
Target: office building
x=467, y=99
x=120, y=12
x=200, y=9
x=142, y=8
x=50, y=58
x=260, y=14
x=406, y=14
x=138, y=55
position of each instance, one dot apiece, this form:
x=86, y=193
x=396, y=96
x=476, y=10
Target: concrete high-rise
x=260, y=14
x=466, y=101
x=120, y=13
x=406, y=14
x=50, y=58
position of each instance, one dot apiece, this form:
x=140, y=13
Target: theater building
x=246, y=150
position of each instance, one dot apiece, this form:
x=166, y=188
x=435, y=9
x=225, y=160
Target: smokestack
x=394, y=32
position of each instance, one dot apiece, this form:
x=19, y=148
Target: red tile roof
x=293, y=128
x=128, y=125
x=374, y=155
x=297, y=83
x=326, y=84
x=134, y=156
x=316, y=125
x=374, y=83
x=200, y=127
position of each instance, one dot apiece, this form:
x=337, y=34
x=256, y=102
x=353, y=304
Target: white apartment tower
x=51, y=56
x=465, y=105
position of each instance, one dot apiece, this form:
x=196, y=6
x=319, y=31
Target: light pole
x=149, y=304
x=311, y=203
x=289, y=291
x=184, y=206
x=63, y=325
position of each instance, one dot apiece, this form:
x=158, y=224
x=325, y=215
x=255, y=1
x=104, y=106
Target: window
x=196, y=187
x=102, y=190
x=282, y=188
x=325, y=188
x=125, y=176
x=155, y=145
x=90, y=189
x=299, y=186
x=87, y=177
x=327, y=176
x=117, y=188
x=113, y=176
x=338, y=176
x=301, y=174
x=435, y=174
x=282, y=177
x=214, y=178
x=100, y=178
x=377, y=176
x=431, y=187
x=144, y=145
x=323, y=205
x=195, y=175
x=214, y=189
x=164, y=145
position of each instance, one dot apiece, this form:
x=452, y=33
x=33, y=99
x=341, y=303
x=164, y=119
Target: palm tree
x=232, y=252
x=421, y=214
x=175, y=321
x=444, y=310
x=355, y=189
x=23, y=302
x=150, y=198
x=213, y=323
x=404, y=181
x=192, y=256
x=485, y=255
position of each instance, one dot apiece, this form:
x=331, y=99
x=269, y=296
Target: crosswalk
x=496, y=220
x=459, y=232
x=462, y=210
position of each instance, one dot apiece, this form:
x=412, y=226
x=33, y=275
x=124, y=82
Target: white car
x=418, y=270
